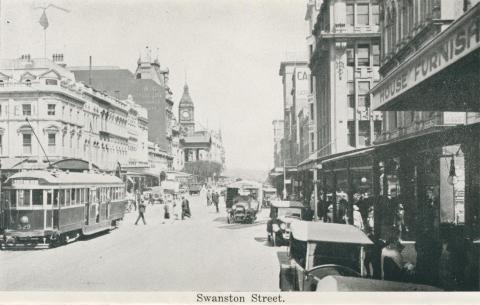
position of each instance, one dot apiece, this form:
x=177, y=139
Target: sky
x=229, y=51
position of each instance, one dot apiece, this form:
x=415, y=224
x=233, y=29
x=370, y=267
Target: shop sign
x=457, y=41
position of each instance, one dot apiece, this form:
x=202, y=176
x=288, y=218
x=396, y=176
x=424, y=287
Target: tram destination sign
x=457, y=41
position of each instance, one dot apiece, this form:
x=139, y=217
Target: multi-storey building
x=277, y=142
x=301, y=124
x=197, y=145
x=290, y=144
x=345, y=66
x=428, y=152
x=148, y=87
x=313, y=7
x=69, y=119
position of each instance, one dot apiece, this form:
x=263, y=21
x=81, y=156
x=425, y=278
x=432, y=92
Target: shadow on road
x=243, y=225
x=264, y=241
x=221, y=219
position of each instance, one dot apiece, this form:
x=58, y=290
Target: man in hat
x=141, y=212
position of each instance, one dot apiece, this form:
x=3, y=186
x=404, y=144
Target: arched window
x=28, y=82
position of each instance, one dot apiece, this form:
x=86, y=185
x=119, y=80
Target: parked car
x=336, y=283
x=282, y=213
x=243, y=210
x=269, y=194
x=321, y=249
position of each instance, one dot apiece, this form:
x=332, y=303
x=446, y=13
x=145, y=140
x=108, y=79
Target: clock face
x=185, y=114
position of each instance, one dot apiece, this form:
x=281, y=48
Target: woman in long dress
x=178, y=207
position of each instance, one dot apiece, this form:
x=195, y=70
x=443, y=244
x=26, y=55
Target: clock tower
x=186, y=112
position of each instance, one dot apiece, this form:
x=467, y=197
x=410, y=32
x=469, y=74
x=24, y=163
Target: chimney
x=58, y=59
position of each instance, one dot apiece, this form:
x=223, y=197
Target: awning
x=441, y=76
x=352, y=154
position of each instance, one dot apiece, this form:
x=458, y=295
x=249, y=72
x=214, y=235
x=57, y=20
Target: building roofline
x=284, y=64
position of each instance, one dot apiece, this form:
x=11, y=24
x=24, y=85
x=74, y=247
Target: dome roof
x=186, y=100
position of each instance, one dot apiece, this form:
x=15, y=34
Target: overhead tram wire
x=39, y=143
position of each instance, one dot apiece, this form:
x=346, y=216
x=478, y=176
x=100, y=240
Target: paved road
x=199, y=254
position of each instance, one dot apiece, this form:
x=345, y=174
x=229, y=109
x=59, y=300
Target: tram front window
x=13, y=198
x=24, y=198
x=37, y=197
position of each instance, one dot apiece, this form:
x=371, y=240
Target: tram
x=45, y=208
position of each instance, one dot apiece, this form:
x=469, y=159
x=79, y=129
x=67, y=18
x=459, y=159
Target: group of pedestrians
x=174, y=207
x=211, y=197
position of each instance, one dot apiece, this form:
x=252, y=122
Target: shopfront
x=429, y=181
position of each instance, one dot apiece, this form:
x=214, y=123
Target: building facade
x=345, y=66
x=290, y=146
x=148, y=86
x=278, y=130
x=313, y=8
x=68, y=118
x=197, y=144
x=429, y=148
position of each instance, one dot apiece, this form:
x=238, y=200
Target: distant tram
x=46, y=208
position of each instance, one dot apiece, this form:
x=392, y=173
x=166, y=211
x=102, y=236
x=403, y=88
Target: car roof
x=246, y=184
x=346, y=283
x=329, y=232
x=287, y=204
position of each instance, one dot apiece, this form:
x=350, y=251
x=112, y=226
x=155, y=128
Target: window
x=351, y=133
x=362, y=14
x=72, y=196
x=51, y=82
x=350, y=56
x=363, y=88
x=26, y=197
x=51, y=143
x=2, y=83
x=51, y=109
x=363, y=59
x=350, y=15
x=312, y=142
x=376, y=54
x=77, y=196
x=49, y=197
x=28, y=82
x=13, y=198
x=27, y=109
x=351, y=94
x=1, y=146
x=363, y=133
x=37, y=197
x=61, y=198
x=55, y=198
x=375, y=14
x=27, y=143
x=312, y=116
x=67, y=197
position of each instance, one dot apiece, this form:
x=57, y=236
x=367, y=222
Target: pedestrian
x=185, y=208
x=170, y=208
x=209, y=197
x=428, y=244
x=177, y=207
x=215, y=199
x=141, y=212
x=203, y=195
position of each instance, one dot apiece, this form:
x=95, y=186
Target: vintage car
x=320, y=249
x=282, y=213
x=243, y=210
x=157, y=194
x=336, y=283
x=269, y=194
